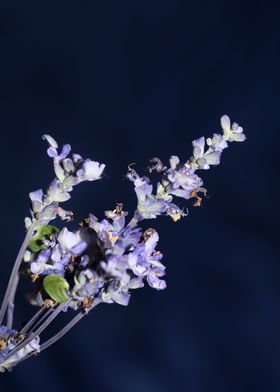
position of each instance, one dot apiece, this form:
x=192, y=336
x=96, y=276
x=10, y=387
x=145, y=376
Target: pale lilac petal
x=52, y=152
x=37, y=200
x=65, y=151
x=174, y=161
x=51, y=141
x=225, y=123
x=213, y=158
x=36, y=195
x=151, y=242
x=90, y=171
x=59, y=172
x=79, y=248
x=121, y=298
x=198, y=146
x=238, y=137
x=155, y=282
x=135, y=283
x=68, y=165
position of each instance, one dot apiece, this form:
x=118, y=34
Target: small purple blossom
x=8, y=341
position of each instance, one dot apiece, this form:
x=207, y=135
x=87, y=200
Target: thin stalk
x=10, y=317
x=67, y=328
x=11, y=306
x=40, y=321
x=13, y=282
x=64, y=330
x=53, y=339
x=53, y=315
x=32, y=321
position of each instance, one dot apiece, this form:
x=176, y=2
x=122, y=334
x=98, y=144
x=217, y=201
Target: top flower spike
x=69, y=172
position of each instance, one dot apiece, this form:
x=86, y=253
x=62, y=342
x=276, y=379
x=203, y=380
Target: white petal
x=151, y=242
x=58, y=169
x=213, y=158
x=68, y=240
x=198, y=145
x=27, y=222
x=237, y=137
x=225, y=122
x=50, y=140
x=121, y=298
x=90, y=171
x=174, y=161
x=135, y=283
x=36, y=195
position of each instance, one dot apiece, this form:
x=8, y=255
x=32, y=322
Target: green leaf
x=42, y=233
x=56, y=286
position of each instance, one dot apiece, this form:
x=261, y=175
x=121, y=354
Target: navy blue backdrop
x=123, y=81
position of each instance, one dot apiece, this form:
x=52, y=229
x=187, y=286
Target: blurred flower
x=232, y=133
x=90, y=171
x=180, y=179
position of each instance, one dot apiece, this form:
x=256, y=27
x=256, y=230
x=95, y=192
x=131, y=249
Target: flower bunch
x=103, y=260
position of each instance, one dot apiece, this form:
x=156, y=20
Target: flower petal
x=225, y=123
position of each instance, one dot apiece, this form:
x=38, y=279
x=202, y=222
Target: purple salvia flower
x=232, y=133
x=103, y=260
x=90, y=171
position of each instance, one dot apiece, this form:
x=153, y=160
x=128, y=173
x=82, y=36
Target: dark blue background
x=123, y=81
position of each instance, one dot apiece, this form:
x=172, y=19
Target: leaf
x=42, y=232
x=56, y=286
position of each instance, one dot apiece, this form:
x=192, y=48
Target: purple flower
x=36, y=198
x=181, y=181
x=70, y=242
x=90, y=171
x=153, y=279
x=232, y=133
x=57, y=256
x=39, y=266
x=56, y=192
x=6, y=341
x=115, y=294
x=201, y=159
x=149, y=206
x=87, y=284
x=217, y=142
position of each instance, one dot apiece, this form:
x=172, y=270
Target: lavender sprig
x=103, y=260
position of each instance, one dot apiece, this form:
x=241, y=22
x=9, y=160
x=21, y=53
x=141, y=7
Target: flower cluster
x=9, y=340
x=106, y=259
x=103, y=260
x=52, y=253
x=69, y=172
x=180, y=179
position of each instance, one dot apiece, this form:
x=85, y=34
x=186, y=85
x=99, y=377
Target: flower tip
x=225, y=121
x=50, y=140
